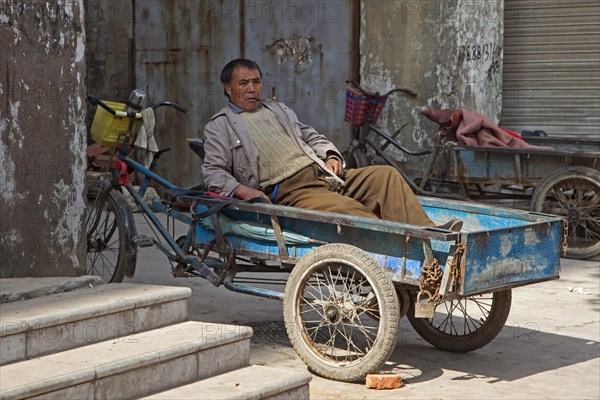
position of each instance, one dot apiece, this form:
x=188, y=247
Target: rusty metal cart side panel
x=500, y=259
x=519, y=166
x=503, y=247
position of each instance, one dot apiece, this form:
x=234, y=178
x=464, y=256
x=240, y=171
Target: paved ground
x=548, y=349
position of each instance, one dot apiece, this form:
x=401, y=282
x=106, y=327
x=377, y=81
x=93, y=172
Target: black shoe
x=454, y=225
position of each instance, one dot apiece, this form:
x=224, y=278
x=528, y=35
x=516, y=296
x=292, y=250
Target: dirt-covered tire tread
x=389, y=306
x=475, y=340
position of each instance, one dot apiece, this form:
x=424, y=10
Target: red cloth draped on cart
x=473, y=129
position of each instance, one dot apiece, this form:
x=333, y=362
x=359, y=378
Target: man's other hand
x=246, y=193
x=335, y=166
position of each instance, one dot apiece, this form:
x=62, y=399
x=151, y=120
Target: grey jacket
x=232, y=158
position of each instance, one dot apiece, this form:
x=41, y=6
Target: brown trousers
x=374, y=192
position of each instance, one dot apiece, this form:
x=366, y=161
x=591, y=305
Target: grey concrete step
x=133, y=366
x=61, y=321
x=251, y=383
x=18, y=289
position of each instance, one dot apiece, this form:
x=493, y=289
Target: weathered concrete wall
x=306, y=49
x=42, y=138
x=449, y=52
x=109, y=49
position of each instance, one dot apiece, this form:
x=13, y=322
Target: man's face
x=245, y=88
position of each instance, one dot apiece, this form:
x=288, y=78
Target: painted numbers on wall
x=475, y=53
x=488, y=53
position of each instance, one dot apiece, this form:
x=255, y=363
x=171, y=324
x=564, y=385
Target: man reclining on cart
x=258, y=148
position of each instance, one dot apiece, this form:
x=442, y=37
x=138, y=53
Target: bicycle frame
x=173, y=251
x=137, y=195
x=362, y=141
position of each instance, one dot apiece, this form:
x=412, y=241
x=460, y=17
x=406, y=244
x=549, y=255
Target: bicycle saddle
x=197, y=146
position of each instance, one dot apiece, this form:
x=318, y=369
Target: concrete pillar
x=449, y=52
x=42, y=138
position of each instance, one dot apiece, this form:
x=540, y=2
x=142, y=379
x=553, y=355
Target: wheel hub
x=333, y=314
x=573, y=214
x=97, y=245
x=339, y=312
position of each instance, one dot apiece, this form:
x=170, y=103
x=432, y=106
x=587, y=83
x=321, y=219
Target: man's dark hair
x=228, y=69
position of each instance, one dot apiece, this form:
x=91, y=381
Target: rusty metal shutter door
x=306, y=50
x=551, y=76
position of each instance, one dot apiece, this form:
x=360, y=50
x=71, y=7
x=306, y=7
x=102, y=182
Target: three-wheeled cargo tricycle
x=348, y=280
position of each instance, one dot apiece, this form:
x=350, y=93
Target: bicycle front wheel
x=106, y=230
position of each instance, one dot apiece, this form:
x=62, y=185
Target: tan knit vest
x=279, y=156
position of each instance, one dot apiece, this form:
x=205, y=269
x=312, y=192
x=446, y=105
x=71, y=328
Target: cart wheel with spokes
x=341, y=312
x=574, y=193
x=465, y=324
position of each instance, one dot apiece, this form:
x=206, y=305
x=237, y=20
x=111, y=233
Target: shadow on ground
x=518, y=352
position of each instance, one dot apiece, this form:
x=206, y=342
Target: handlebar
x=96, y=101
x=376, y=94
x=130, y=114
x=176, y=106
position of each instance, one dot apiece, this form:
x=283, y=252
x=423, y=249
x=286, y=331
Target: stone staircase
x=124, y=341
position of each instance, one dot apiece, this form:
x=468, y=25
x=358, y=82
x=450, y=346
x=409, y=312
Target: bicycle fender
x=130, y=234
x=130, y=228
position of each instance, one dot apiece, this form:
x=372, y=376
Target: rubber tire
x=405, y=299
x=99, y=263
x=487, y=332
x=388, y=312
x=542, y=190
x=356, y=158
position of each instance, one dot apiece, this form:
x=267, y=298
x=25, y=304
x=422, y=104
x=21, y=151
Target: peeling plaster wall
x=42, y=138
x=449, y=52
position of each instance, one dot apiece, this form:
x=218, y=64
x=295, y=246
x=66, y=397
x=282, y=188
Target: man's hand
x=335, y=166
x=246, y=193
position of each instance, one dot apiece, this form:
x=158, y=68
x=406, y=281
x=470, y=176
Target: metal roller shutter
x=551, y=76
